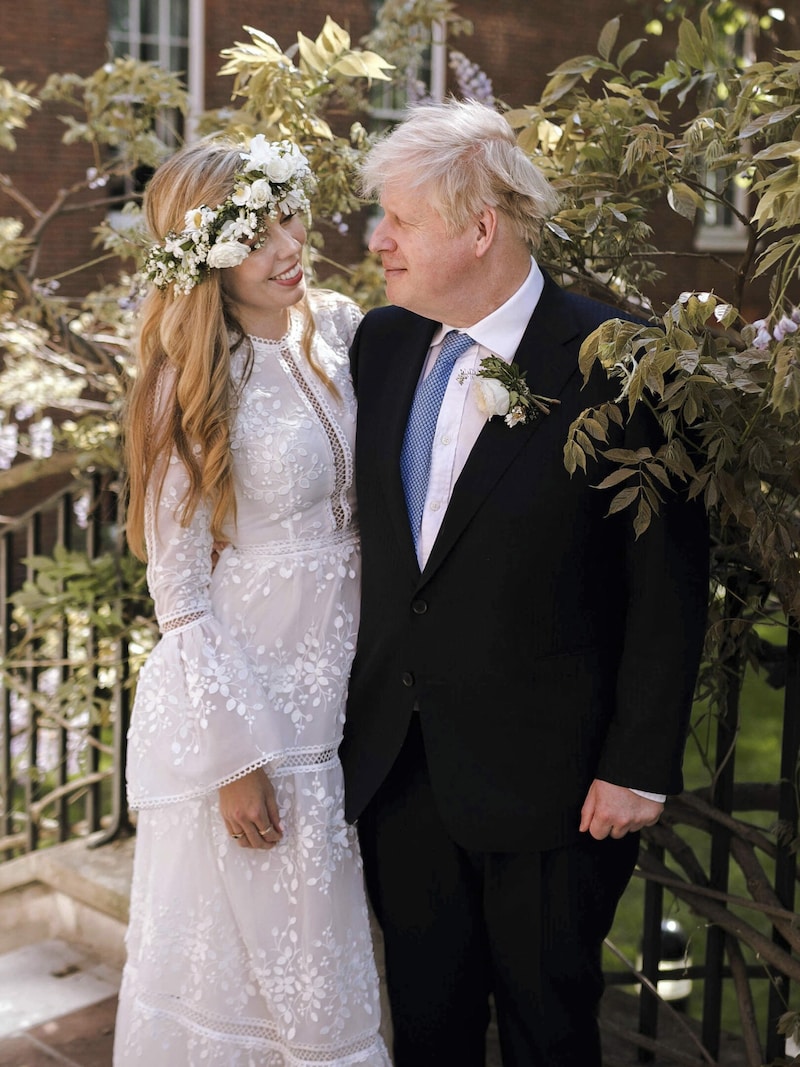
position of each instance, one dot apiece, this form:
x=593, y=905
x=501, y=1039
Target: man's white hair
x=466, y=156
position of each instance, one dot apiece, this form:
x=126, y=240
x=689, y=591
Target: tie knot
x=455, y=343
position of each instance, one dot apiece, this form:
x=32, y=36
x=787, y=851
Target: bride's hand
x=250, y=811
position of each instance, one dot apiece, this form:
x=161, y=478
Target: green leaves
x=729, y=408
x=691, y=49
x=119, y=106
x=286, y=99
x=727, y=394
x=608, y=37
x=684, y=200
x=330, y=54
x=17, y=102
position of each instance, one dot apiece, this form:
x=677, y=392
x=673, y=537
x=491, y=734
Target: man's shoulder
x=395, y=324
x=390, y=315
x=587, y=310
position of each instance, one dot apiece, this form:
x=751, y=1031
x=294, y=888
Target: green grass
x=758, y=754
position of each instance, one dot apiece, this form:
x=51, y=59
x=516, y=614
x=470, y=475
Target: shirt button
x=408, y=679
x=446, y=440
x=435, y=505
x=419, y=607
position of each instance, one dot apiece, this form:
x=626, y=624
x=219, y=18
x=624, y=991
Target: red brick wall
x=516, y=43
x=519, y=44
x=39, y=37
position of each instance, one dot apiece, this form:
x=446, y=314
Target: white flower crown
x=275, y=180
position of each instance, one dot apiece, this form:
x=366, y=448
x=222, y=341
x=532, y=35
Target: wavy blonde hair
x=183, y=348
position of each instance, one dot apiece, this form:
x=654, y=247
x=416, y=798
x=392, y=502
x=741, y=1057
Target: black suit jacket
x=542, y=645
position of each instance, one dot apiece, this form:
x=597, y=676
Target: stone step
x=69, y=891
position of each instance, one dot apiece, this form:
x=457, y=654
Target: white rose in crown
x=491, y=397
x=195, y=220
x=260, y=194
x=227, y=254
x=280, y=169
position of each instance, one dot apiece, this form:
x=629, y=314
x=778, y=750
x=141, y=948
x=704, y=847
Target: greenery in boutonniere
x=500, y=389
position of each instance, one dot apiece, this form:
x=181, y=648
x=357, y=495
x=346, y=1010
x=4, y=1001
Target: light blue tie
x=415, y=457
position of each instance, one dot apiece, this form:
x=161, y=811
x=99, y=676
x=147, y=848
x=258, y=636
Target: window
x=167, y=32
x=164, y=32
x=424, y=79
x=156, y=31
x=720, y=228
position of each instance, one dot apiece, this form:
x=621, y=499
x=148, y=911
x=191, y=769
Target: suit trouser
x=458, y=925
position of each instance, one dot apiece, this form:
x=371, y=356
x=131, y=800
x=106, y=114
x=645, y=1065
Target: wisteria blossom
x=473, y=83
x=783, y=328
x=41, y=438
x=9, y=442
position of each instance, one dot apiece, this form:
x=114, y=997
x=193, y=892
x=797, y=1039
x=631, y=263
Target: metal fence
x=62, y=776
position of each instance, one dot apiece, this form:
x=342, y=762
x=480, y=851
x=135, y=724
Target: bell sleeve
x=201, y=715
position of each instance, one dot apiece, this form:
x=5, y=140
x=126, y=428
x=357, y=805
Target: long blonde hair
x=192, y=336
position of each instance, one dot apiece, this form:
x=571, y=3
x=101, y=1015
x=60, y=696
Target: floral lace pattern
x=238, y=957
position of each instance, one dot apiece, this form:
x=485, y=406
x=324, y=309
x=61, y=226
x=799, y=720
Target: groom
x=525, y=667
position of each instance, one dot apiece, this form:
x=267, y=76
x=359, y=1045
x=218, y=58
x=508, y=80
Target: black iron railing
x=767, y=860
x=61, y=767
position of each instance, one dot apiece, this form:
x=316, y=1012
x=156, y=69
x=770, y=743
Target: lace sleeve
x=201, y=716
x=337, y=318
x=178, y=557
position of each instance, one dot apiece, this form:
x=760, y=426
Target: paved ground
x=84, y=1038
x=58, y=1002
x=57, y=1006
x=81, y=1038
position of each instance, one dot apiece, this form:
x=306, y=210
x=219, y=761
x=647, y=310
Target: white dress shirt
x=460, y=422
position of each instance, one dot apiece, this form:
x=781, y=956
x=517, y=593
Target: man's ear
x=486, y=230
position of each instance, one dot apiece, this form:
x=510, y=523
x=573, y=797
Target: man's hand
x=614, y=810
x=217, y=548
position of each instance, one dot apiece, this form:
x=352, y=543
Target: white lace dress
x=241, y=957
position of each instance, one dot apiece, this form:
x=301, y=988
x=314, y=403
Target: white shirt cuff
x=659, y=798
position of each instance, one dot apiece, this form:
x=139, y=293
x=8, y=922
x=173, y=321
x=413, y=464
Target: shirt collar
x=501, y=331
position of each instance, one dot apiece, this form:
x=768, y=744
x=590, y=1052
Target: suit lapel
x=548, y=355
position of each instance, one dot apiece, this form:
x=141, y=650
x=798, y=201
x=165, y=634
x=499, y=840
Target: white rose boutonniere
x=500, y=389
x=491, y=397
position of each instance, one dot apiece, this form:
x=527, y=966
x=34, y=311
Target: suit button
x=419, y=607
x=408, y=679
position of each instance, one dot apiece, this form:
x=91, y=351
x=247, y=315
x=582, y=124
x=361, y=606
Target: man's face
x=426, y=270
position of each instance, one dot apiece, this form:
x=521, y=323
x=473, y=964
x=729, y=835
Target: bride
x=249, y=939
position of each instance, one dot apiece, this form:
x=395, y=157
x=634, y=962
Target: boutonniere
x=500, y=389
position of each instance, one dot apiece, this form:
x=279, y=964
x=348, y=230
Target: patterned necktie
x=415, y=457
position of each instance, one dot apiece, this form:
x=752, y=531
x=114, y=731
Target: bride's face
x=270, y=280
